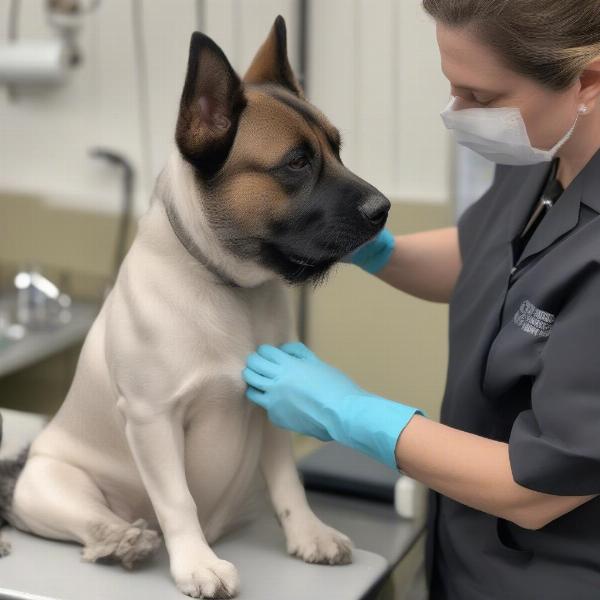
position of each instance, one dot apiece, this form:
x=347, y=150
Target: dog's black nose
x=375, y=209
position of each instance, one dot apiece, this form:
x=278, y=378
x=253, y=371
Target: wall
x=390, y=343
x=46, y=137
x=373, y=69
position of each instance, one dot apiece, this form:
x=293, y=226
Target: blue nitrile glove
x=301, y=392
x=375, y=254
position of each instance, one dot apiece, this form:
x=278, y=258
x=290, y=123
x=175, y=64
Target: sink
x=23, y=345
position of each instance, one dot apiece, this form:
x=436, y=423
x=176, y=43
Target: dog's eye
x=298, y=163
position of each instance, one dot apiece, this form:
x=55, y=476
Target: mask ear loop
x=582, y=110
x=450, y=104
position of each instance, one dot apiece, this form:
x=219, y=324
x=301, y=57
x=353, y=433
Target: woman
x=514, y=465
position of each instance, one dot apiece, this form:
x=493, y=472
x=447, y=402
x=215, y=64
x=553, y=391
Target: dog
x=155, y=433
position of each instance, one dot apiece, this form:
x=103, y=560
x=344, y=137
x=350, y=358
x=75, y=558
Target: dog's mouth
x=299, y=268
x=302, y=261
x=307, y=265
x=333, y=255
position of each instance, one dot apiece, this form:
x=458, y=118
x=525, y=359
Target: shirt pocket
x=514, y=353
x=506, y=546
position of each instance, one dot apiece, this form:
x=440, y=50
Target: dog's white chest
x=224, y=430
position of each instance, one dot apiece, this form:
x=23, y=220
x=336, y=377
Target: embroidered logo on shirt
x=534, y=320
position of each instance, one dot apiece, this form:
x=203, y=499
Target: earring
x=584, y=109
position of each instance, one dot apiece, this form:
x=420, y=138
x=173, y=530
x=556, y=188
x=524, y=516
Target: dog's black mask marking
x=324, y=224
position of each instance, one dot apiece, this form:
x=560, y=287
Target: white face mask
x=499, y=134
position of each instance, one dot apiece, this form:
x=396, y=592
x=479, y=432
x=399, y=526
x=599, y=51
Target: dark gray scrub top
x=524, y=369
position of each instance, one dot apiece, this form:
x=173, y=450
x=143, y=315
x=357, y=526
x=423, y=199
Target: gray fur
x=128, y=544
x=9, y=473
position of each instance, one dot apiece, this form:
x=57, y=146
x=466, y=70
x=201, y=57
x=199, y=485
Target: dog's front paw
x=316, y=542
x=214, y=579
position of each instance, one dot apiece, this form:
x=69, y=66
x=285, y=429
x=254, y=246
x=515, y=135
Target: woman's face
x=479, y=79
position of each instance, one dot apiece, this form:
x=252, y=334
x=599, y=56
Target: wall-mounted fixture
x=33, y=63
x=128, y=174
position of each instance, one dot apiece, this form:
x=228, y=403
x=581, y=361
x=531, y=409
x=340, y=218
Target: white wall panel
x=167, y=38
x=424, y=157
x=374, y=88
x=220, y=18
x=373, y=68
x=331, y=59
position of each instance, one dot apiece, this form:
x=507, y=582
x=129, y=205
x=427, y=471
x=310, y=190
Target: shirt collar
x=591, y=183
x=561, y=218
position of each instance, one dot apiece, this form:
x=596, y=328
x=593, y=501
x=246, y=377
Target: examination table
x=40, y=569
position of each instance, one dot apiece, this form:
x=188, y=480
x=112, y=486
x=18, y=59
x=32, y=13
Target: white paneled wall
x=373, y=68
x=375, y=71
x=45, y=137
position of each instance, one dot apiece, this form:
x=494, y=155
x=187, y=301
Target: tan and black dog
x=156, y=432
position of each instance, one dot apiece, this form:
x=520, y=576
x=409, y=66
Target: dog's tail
x=10, y=469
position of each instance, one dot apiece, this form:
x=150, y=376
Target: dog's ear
x=211, y=104
x=271, y=64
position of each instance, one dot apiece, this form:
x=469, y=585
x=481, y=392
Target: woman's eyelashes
x=483, y=101
x=474, y=96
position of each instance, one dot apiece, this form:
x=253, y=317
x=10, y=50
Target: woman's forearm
x=475, y=471
x=425, y=264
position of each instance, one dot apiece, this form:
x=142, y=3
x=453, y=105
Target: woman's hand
x=301, y=392
x=375, y=254
x=425, y=264
x=298, y=390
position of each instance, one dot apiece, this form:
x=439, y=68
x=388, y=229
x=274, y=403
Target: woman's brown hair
x=551, y=41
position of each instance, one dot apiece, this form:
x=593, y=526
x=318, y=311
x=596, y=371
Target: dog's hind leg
x=57, y=500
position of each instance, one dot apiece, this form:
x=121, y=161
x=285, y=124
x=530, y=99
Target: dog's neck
x=177, y=192
x=190, y=245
